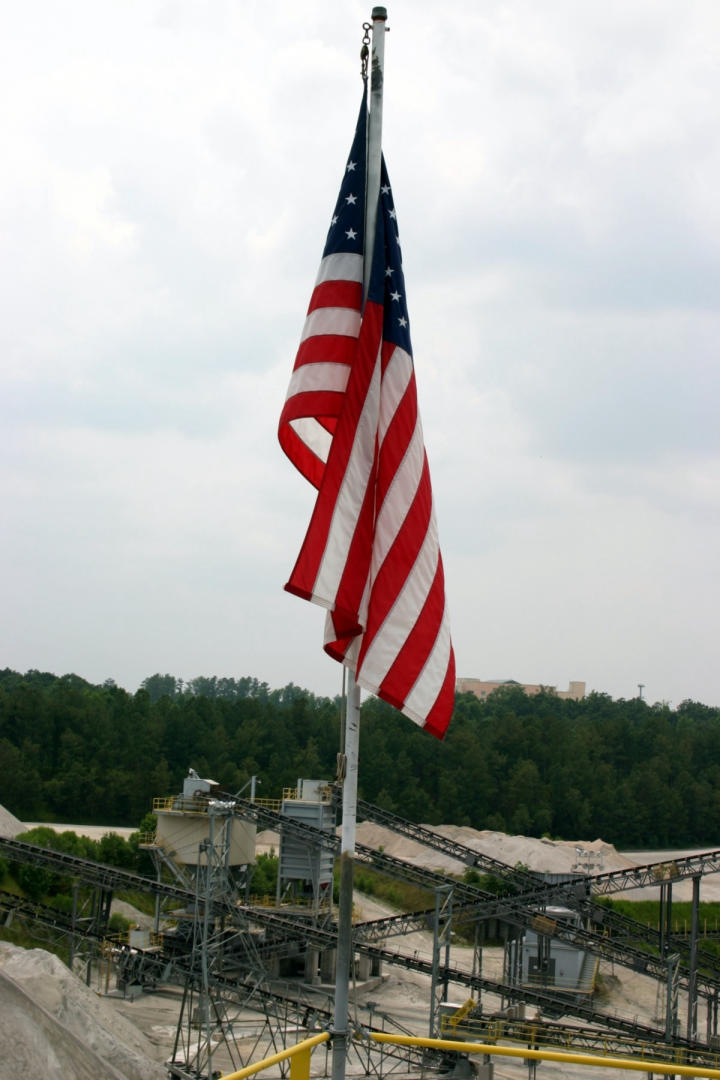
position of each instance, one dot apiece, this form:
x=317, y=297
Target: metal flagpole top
x=374, y=145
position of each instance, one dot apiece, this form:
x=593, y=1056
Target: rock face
x=52, y=1025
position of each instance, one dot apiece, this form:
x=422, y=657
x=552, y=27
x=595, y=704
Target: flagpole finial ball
x=379, y=13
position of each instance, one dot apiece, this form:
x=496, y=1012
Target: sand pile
x=52, y=1025
x=544, y=856
x=137, y=919
x=10, y=827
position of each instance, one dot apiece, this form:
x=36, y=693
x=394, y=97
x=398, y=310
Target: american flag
x=350, y=424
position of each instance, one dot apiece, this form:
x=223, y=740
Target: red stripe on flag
x=321, y=405
x=438, y=719
x=399, y=562
x=327, y=349
x=340, y=294
x=397, y=439
x=303, y=458
x=412, y=657
x=357, y=567
x=306, y=568
x=338, y=648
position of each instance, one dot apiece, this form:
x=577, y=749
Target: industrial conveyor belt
x=542, y=998
x=600, y=1031
x=575, y=894
x=521, y=909
x=111, y=878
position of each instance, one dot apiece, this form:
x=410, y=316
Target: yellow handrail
x=299, y=1065
x=638, y=1064
x=163, y=802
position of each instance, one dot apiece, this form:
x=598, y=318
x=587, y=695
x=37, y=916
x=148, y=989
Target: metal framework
x=442, y=931
x=227, y=950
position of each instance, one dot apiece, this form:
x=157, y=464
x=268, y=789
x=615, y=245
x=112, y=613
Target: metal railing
x=299, y=1056
x=648, y=1065
x=269, y=804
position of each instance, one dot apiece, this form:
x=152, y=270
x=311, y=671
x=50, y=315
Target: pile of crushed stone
x=10, y=827
x=52, y=1025
x=539, y=854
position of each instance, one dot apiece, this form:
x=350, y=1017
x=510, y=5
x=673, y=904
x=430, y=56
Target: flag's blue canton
x=347, y=227
x=347, y=232
x=387, y=285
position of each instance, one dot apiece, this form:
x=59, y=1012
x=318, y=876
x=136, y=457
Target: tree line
x=635, y=774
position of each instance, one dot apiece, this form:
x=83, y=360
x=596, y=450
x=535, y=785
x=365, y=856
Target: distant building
x=481, y=689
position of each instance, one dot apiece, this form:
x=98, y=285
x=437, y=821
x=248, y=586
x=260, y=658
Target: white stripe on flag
x=313, y=435
x=318, y=376
x=395, y=380
x=351, y=653
x=331, y=320
x=351, y=495
x=398, y=498
x=400, y=619
x=424, y=693
x=341, y=267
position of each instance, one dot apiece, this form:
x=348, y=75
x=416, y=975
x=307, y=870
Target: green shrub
x=264, y=877
x=118, y=924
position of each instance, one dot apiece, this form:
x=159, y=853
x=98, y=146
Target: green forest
x=635, y=774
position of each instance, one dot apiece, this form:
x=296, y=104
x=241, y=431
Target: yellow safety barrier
x=163, y=802
x=299, y=1064
x=270, y=804
x=637, y=1064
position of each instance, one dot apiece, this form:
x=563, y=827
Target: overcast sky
x=169, y=170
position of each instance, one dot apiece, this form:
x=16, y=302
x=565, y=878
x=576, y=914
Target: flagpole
x=344, y=954
x=374, y=137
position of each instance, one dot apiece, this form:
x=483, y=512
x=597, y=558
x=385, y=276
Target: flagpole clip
x=365, y=51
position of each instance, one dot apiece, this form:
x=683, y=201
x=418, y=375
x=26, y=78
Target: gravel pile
x=10, y=827
x=52, y=1025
